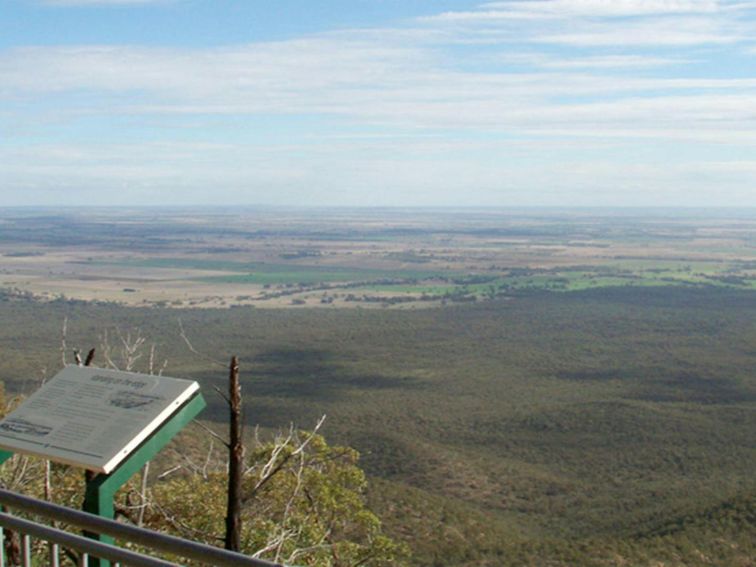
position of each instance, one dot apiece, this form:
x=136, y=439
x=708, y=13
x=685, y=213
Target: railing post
x=54, y=555
x=26, y=558
x=98, y=500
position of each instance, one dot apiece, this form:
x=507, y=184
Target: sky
x=559, y=103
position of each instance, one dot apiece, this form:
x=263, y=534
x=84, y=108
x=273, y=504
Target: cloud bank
x=503, y=102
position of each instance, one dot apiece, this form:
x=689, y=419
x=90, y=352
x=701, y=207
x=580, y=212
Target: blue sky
x=378, y=102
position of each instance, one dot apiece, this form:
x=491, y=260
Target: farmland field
x=389, y=259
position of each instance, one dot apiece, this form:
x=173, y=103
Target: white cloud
x=729, y=167
x=671, y=23
x=421, y=171
x=406, y=108
x=613, y=62
x=545, y=9
x=664, y=32
x=79, y=3
x=369, y=83
x=277, y=67
x=598, y=62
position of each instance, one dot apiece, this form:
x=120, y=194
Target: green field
x=568, y=280
x=418, y=282
x=264, y=273
x=310, y=275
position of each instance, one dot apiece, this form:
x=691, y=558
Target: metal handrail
x=81, y=543
x=141, y=536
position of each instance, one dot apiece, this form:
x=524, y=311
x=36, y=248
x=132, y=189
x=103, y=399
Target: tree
x=302, y=503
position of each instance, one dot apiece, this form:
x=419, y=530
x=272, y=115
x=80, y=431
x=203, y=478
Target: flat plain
x=525, y=387
x=350, y=258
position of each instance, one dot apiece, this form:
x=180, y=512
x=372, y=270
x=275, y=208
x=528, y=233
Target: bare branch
x=63, y=346
x=289, y=504
x=274, y=543
x=279, y=444
x=311, y=435
x=130, y=348
x=48, y=492
x=188, y=531
x=143, y=494
x=191, y=348
x=213, y=433
x=207, y=460
x=105, y=348
x=222, y=394
x=151, y=363
x=169, y=472
x=304, y=550
x=271, y=468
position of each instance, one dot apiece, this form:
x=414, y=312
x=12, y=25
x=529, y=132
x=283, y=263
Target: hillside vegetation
x=604, y=427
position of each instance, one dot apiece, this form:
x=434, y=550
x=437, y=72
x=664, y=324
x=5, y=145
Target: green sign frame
x=101, y=488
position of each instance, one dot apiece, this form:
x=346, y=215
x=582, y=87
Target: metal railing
x=58, y=539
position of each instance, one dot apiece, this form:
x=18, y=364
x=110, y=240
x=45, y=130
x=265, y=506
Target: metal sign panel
x=92, y=417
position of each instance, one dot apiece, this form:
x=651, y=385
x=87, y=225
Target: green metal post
x=4, y=456
x=101, y=489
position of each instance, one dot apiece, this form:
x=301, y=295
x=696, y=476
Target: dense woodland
x=604, y=427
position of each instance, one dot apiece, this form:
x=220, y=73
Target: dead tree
x=235, y=459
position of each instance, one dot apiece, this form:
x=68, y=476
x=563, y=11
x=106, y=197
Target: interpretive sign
x=93, y=417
